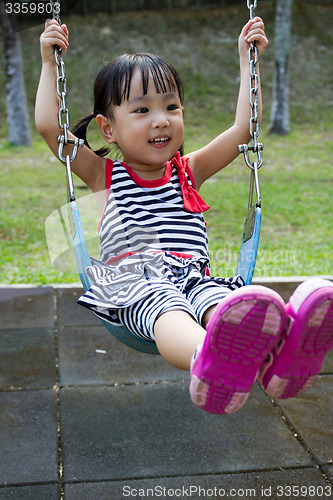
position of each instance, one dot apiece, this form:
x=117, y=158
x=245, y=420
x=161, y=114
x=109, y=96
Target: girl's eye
x=141, y=110
x=172, y=107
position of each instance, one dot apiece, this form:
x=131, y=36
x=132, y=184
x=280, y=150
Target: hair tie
x=93, y=115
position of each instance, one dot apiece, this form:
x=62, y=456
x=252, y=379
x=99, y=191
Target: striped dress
x=153, y=238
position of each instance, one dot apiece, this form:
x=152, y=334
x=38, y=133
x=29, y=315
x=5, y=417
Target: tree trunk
x=17, y=111
x=279, y=123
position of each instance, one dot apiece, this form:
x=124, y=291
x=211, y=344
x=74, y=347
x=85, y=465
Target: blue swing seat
x=83, y=261
x=249, y=245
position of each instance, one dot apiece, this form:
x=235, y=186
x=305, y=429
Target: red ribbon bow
x=191, y=198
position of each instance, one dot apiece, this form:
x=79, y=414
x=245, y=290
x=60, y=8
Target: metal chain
x=63, y=115
x=251, y=7
x=256, y=146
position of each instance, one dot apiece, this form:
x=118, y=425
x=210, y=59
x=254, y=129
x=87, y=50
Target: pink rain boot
x=246, y=325
x=296, y=361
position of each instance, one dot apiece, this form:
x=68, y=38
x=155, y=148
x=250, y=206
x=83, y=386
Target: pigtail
x=80, y=131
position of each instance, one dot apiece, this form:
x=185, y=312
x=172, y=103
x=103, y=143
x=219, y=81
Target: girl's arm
x=87, y=165
x=224, y=148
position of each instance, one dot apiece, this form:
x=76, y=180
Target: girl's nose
x=160, y=120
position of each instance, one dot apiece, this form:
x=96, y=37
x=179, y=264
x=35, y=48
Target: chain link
x=63, y=115
x=256, y=146
x=251, y=7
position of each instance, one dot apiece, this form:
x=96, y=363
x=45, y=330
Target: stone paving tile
x=28, y=437
x=141, y=431
x=27, y=359
x=82, y=363
x=34, y=492
x=312, y=415
x=154, y=429
x=69, y=312
x=259, y=485
x=26, y=307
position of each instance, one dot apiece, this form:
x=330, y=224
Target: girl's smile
x=159, y=142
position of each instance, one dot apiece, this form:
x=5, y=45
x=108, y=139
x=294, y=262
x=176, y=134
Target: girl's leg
x=177, y=335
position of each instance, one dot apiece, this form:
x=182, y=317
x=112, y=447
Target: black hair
x=113, y=82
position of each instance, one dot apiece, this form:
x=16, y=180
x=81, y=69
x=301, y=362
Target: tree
x=279, y=123
x=17, y=111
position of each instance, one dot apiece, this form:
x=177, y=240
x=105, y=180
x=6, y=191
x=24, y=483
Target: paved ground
x=83, y=417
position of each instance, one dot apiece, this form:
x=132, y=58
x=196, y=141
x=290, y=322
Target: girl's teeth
x=159, y=140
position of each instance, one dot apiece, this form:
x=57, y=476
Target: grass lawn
x=297, y=174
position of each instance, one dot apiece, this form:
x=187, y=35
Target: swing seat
x=83, y=261
x=249, y=245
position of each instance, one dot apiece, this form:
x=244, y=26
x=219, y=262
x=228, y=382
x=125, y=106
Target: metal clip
x=254, y=166
x=245, y=148
x=78, y=143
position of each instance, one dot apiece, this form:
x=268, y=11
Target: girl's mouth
x=159, y=141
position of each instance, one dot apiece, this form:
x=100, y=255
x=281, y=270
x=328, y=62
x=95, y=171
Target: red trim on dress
x=149, y=183
x=108, y=173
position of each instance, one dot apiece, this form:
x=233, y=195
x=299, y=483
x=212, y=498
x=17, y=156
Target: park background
x=201, y=42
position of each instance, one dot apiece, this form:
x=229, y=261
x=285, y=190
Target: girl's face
x=149, y=129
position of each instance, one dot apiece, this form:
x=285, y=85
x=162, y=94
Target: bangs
x=163, y=74
x=117, y=77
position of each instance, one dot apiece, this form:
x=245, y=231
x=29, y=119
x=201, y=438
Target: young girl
x=154, y=271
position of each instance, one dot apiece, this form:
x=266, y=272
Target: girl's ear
x=105, y=126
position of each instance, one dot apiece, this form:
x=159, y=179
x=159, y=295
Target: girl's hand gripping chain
x=253, y=31
x=53, y=35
